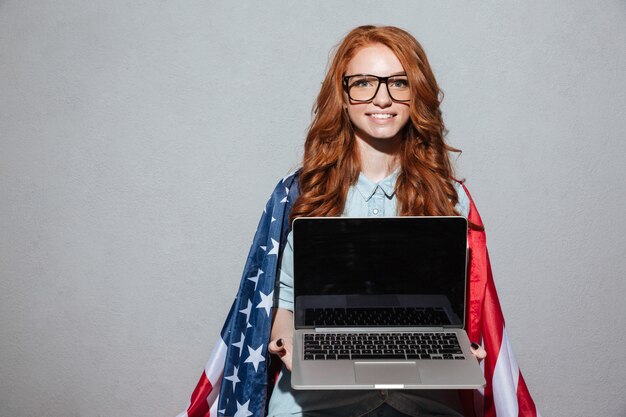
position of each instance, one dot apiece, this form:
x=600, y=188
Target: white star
x=286, y=190
x=274, y=250
x=273, y=219
x=246, y=310
x=255, y=357
x=234, y=378
x=242, y=409
x=256, y=279
x=263, y=247
x=222, y=411
x=239, y=344
x=284, y=200
x=266, y=302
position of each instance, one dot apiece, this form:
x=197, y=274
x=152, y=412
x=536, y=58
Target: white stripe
x=213, y=410
x=514, y=367
x=505, y=379
x=214, y=368
x=214, y=371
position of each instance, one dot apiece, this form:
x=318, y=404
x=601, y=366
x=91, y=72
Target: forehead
x=374, y=59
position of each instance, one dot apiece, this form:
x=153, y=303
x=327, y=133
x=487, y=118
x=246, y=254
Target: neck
x=379, y=157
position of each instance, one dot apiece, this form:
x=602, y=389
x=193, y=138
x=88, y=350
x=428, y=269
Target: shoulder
x=467, y=204
x=285, y=191
x=463, y=204
x=285, y=184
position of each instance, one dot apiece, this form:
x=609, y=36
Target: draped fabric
x=236, y=381
x=506, y=393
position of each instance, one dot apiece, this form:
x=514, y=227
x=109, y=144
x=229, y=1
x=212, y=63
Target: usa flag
x=235, y=379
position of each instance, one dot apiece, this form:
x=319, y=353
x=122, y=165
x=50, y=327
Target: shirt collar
x=367, y=188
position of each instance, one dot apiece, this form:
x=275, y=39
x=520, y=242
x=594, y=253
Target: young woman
x=375, y=148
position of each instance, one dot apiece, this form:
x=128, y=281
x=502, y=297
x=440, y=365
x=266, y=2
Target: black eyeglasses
x=364, y=87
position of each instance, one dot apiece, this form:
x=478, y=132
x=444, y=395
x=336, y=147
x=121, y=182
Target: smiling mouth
x=381, y=116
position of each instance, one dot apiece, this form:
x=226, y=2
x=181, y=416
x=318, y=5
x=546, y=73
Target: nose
x=382, y=98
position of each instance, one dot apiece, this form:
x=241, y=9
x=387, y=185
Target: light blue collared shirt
x=364, y=199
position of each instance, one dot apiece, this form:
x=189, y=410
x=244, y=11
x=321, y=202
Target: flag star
x=239, y=344
x=263, y=247
x=284, y=200
x=246, y=310
x=273, y=219
x=256, y=279
x=222, y=411
x=255, y=357
x=234, y=378
x=274, y=250
x=242, y=409
x=248, y=326
x=267, y=300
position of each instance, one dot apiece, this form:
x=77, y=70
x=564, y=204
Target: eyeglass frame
x=381, y=80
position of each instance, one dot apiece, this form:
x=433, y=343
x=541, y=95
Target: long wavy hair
x=331, y=159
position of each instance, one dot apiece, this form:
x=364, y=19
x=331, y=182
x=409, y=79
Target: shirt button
x=375, y=211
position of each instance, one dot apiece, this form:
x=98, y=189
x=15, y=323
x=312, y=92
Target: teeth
x=381, y=115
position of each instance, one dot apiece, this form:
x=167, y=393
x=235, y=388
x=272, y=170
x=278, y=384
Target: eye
x=398, y=83
x=363, y=82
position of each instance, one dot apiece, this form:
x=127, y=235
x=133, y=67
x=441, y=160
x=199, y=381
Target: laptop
x=379, y=303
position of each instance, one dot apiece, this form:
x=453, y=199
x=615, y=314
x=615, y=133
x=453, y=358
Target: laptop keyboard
x=423, y=345
x=417, y=316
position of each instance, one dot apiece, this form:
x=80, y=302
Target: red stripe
x=199, y=406
x=526, y=404
x=484, y=317
x=493, y=325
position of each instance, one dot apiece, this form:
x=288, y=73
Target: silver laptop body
x=379, y=303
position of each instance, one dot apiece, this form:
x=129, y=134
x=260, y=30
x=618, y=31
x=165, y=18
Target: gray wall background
x=140, y=140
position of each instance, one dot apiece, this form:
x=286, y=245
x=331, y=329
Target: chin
x=383, y=135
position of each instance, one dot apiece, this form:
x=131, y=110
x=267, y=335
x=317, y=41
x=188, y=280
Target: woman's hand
x=478, y=351
x=281, y=339
x=283, y=348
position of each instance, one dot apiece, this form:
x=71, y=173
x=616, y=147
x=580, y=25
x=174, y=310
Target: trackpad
x=386, y=373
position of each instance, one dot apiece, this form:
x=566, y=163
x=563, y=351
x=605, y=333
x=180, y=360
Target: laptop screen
x=390, y=271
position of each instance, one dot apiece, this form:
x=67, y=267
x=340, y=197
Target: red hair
x=331, y=161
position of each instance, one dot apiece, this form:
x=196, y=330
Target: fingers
x=478, y=351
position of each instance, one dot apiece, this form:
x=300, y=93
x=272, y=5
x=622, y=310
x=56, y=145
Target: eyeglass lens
x=365, y=87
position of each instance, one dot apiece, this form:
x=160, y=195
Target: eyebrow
x=402, y=73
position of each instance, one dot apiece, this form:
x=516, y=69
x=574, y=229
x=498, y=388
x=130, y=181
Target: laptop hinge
x=380, y=329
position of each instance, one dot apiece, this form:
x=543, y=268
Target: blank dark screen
x=399, y=255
